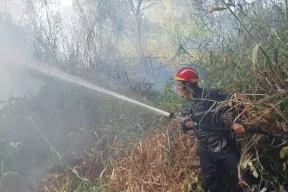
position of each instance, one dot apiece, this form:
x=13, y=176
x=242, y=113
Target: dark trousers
x=220, y=171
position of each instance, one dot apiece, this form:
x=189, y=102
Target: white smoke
x=14, y=79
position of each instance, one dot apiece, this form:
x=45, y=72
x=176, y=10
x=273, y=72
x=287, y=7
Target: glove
x=186, y=123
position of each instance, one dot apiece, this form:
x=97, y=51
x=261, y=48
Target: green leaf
x=282, y=153
x=255, y=174
x=254, y=57
x=213, y=9
x=244, y=164
x=250, y=163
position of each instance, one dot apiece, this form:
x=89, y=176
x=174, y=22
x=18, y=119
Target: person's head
x=187, y=81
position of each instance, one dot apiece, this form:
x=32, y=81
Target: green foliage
x=284, y=104
x=169, y=99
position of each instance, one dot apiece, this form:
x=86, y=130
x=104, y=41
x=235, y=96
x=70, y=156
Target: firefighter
x=207, y=113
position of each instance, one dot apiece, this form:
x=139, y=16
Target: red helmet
x=187, y=74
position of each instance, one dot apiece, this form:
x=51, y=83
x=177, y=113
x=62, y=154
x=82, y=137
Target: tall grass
x=254, y=65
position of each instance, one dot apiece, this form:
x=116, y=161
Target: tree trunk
x=136, y=10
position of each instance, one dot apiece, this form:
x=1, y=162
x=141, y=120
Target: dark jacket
x=210, y=110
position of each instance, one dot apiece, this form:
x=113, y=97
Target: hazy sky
x=66, y=2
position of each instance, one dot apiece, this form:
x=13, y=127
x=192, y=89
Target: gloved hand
x=238, y=128
x=187, y=124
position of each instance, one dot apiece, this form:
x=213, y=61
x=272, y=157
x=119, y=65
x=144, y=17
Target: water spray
x=48, y=70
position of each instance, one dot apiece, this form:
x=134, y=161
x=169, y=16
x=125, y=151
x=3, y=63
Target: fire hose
x=248, y=129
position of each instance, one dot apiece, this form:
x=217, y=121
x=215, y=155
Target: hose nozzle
x=172, y=115
x=184, y=119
